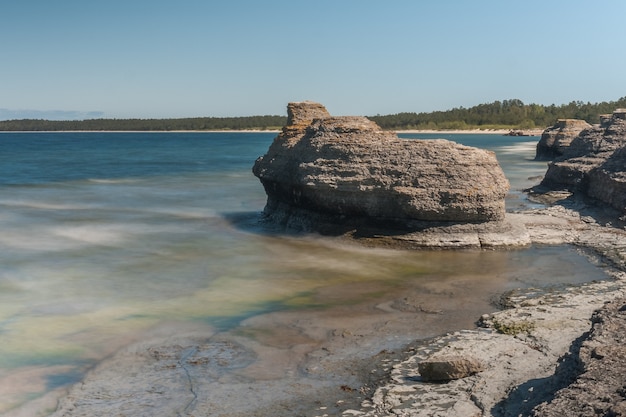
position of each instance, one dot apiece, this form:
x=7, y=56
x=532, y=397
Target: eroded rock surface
x=601, y=388
x=337, y=170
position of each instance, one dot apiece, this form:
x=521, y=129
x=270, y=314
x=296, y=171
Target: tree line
x=506, y=114
x=196, y=123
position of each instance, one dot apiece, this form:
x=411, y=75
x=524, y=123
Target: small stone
x=447, y=368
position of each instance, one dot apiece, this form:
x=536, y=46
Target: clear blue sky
x=187, y=58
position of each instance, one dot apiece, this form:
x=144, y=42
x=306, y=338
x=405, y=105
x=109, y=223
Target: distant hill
x=506, y=114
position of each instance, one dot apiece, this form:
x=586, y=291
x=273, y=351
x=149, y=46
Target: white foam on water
x=94, y=234
x=39, y=242
x=113, y=181
x=47, y=205
x=519, y=148
x=42, y=238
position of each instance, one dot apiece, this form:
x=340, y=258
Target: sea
x=105, y=235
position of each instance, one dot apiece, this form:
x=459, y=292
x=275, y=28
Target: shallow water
x=105, y=236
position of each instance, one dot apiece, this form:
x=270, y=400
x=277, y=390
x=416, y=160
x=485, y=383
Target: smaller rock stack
x=594, y=164
x=345, y=170
x=556, y=139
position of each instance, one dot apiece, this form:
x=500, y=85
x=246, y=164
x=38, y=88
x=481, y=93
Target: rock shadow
x=590, y=210
x=254, y=222
x=525, y=397
x=354, y=227
x=258, y=223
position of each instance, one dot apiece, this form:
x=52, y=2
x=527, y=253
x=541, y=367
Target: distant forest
x=195, y=123
x=506, y=114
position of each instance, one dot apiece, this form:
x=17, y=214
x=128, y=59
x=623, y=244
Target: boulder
x=594, y=164
x=338, y=170
x=301, y=114
x=449, y=367
x=556, y=139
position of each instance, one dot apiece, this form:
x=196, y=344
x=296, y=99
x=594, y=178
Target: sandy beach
x=503, y=132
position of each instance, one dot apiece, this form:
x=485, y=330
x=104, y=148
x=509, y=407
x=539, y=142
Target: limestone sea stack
x=324, y=169
x=594, y=165
x=556, y=139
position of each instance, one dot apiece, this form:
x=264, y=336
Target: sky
x=77, y=59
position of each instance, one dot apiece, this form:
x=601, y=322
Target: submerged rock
x=594, y=164
x=343, y=170
x=556, y=139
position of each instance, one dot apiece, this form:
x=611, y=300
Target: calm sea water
x=106, y=235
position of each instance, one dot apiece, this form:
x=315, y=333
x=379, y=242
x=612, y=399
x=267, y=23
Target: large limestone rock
x=556, y=139
x=594, y=165
x=345, y=169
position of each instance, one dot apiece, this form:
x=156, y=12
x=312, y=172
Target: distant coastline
x=503, y=132
x=498, y=117
x=142, y=131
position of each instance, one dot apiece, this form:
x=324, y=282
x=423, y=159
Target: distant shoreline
x=503, y=132
x=140, y=131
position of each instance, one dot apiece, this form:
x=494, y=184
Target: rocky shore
x=526, y=354
x=546, y=352
x=535, y=350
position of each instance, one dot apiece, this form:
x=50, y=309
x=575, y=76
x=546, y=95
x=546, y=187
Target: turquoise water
x=104, y=236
